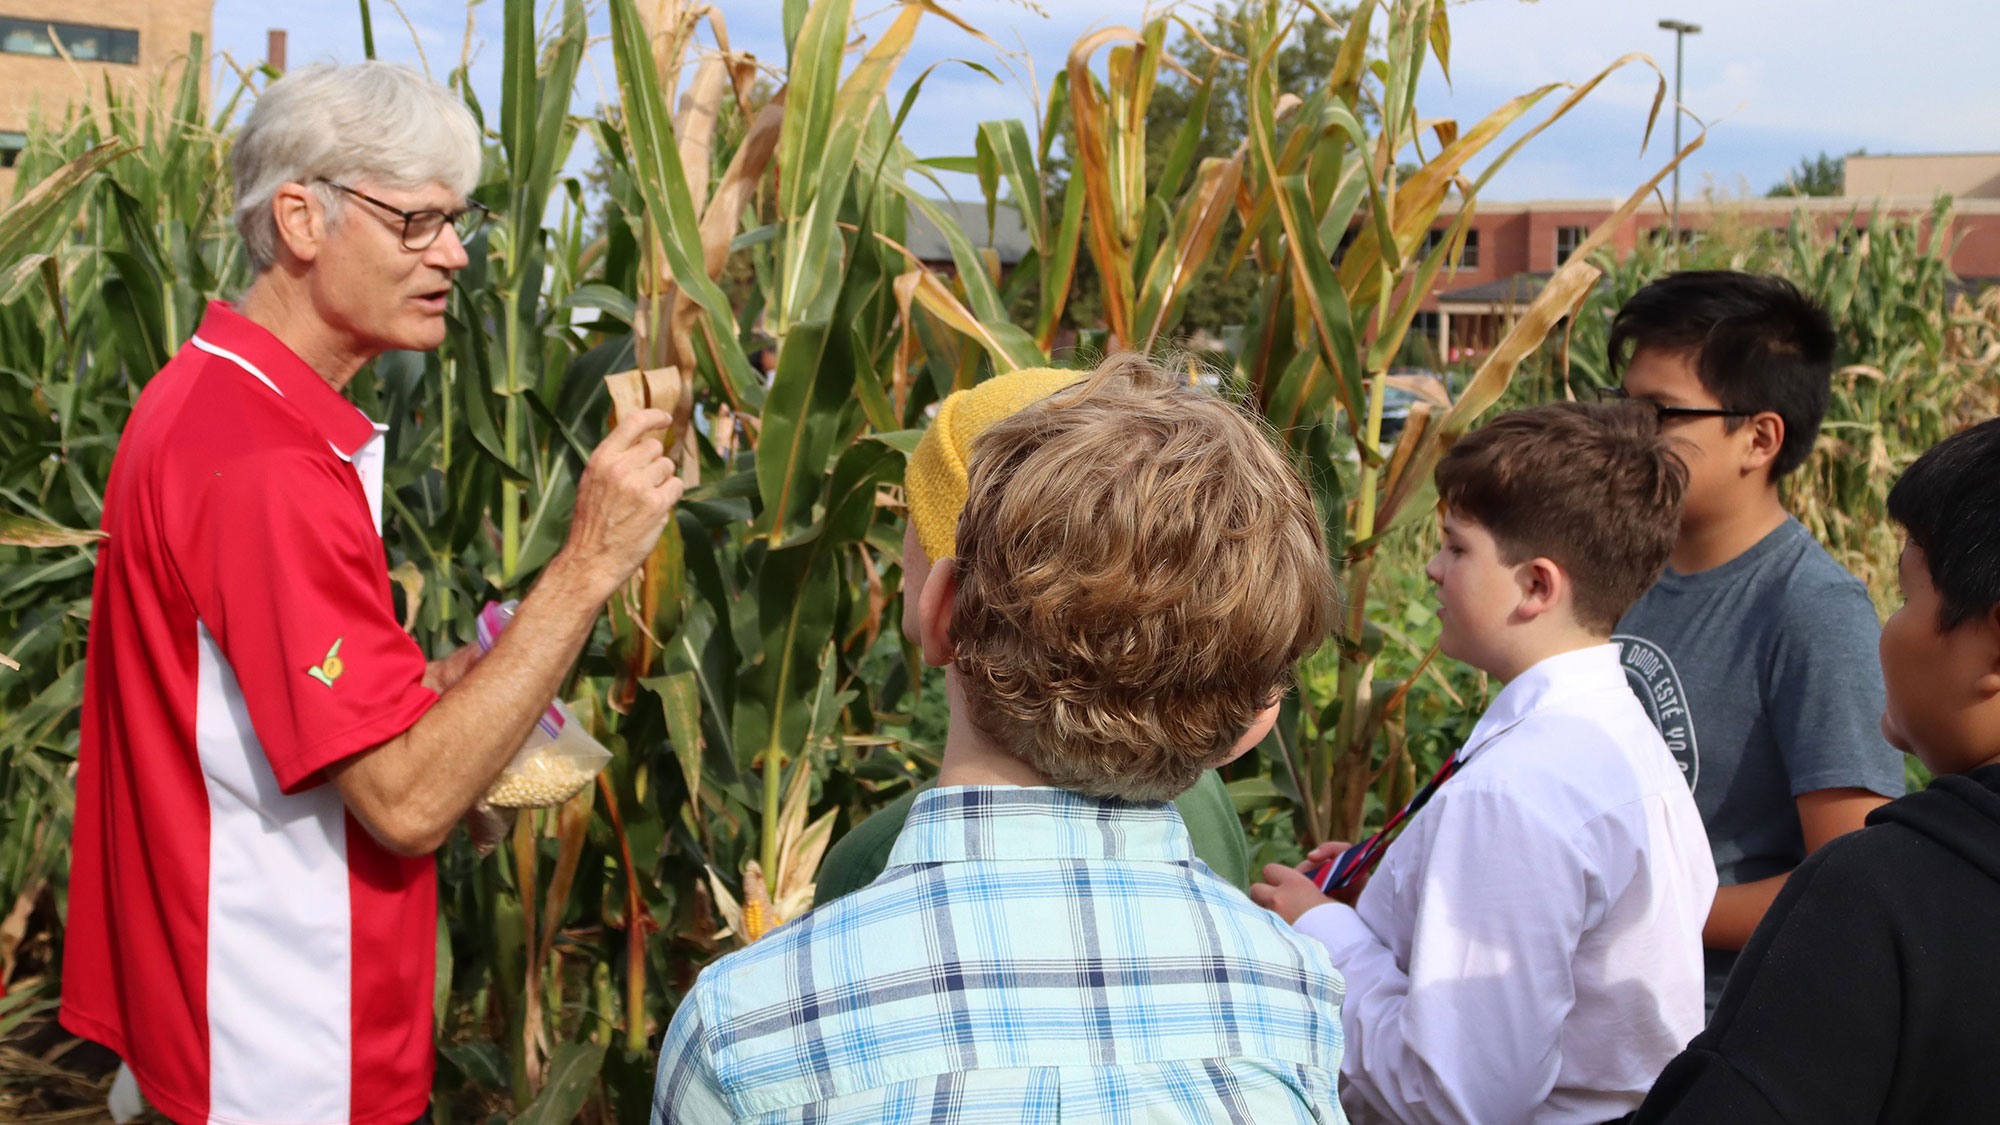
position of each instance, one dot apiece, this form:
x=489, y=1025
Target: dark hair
x=1758, y=344
x=1593, y=487
x=1949, y=503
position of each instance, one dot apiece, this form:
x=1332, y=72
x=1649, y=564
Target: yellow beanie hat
x=935, y=482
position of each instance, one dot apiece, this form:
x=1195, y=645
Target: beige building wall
x=1966, y=175
x=30, y=81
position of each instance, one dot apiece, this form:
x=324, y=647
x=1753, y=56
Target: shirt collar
x=963, y=823
x=1551, y=681
x=231, y=336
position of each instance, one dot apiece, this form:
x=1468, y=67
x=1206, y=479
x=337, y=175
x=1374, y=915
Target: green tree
x=1822, y=175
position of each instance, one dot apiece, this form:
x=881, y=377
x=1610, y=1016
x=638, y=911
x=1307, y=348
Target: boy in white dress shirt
x=1529, y=950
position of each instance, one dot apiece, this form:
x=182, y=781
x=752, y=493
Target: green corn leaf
x=572, y=1072
x=517, y=87
x=801, y=423
x=812, y=83
x=54, y=702
x=903, y=441
x=479, y=420
x=28, y=219
x=797, y=593
x=1059, y=270
x=987, y=169
x=1326, y=305
x=810, y=191
x=680, y=698
x=24, y=531
x=552, y=131
x=657, y=172
x=1014, y=158
x=597, y=295
x=963, y=165
x=1179, y=158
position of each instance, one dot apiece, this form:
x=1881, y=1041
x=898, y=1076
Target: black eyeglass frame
x=1664, y=412
x=473, y=207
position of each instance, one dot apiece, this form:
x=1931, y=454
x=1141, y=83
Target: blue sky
x=1780, y=78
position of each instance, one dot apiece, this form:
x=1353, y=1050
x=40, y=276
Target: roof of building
x=1009, y=237
x=1517, y=289
x=1915, y=155
x=1702, y=205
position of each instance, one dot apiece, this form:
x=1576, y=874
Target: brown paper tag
x=657, y=387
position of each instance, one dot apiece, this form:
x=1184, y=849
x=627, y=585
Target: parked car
x=1406, y=387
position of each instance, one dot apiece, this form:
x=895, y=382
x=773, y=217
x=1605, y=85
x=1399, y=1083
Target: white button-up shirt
x=1530, y=948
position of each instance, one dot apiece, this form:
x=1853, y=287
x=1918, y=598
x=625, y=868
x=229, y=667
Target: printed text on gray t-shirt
x=1762, y=676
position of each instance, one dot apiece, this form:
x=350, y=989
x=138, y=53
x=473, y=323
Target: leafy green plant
x=1317, y=164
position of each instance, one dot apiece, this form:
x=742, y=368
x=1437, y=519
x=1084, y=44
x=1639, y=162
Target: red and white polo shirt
x=242, y=942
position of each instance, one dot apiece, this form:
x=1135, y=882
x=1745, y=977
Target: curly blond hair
x=1138, y=570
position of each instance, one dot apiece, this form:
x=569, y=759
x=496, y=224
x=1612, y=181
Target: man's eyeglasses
x=421, y=228
x=1669, y=413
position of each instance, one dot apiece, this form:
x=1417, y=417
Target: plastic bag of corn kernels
x=558, y=759
x=548, y=771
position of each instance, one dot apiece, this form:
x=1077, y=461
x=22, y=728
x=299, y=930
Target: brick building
x=1512, y=248
x=53, y=52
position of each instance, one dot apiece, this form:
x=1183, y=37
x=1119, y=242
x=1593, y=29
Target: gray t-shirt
x=1762, y=676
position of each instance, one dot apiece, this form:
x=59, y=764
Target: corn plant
x=1315, y=358
x=750, y=681
x=120, y=208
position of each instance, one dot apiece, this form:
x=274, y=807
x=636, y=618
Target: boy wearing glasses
x=1865, y=997
x=1754, y=652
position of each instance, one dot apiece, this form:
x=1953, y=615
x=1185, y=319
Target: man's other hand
x=439, y=675
x=624, y=500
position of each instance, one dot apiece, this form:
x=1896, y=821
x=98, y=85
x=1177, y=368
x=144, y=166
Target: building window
x=83, y=42
x=1685, y=238
x=1468, y=257
x=11, y=145
x=1567, y=240
x=1420, y=347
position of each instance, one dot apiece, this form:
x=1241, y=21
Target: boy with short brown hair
x=1530, y=948
x=1124, y=648
x=935, y=485
x=1044, y=946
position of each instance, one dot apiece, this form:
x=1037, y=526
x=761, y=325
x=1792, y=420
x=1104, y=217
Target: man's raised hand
x=624, y=500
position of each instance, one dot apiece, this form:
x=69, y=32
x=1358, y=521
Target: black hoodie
x=1869, y=993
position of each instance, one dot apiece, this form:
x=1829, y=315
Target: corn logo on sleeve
x=330, y=667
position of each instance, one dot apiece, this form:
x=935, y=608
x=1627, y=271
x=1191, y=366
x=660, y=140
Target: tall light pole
x=1681, y=29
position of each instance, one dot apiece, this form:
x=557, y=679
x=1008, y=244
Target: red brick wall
x=1513, y=242
x=1978, y=252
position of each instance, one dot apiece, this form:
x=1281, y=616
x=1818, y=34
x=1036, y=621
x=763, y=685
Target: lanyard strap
x=1349, y=865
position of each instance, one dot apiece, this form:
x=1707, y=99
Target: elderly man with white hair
x=267, y=758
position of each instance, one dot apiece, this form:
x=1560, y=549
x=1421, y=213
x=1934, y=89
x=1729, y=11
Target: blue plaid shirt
x=1030, y=955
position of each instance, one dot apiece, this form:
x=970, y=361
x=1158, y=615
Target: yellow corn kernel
x=758, y=915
